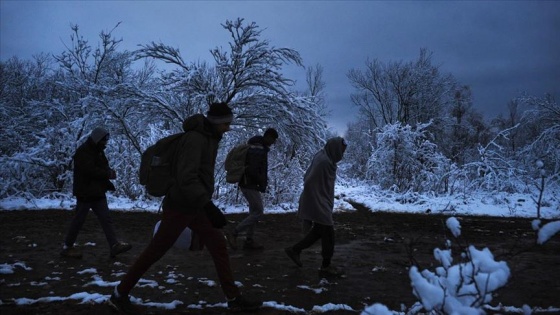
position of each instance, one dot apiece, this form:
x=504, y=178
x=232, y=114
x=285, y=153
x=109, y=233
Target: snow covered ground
x=500, y=205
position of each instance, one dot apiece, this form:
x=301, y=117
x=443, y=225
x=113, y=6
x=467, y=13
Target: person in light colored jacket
x=316, y=205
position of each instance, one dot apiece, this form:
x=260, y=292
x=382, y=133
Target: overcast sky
x=499, y=48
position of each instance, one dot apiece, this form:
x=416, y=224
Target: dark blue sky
x=499, y=48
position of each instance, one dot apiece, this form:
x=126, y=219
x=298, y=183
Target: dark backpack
x=235, y=163
x=157, y=164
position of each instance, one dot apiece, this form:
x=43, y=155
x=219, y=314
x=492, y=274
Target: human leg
x=248, y=225
x=327, y=244
x=101, y=210
x=327, y=251
x=172, y=225
x=216, y=244
x=256, y=210
x=309, y=239
x=306, y=226
x=81, y=212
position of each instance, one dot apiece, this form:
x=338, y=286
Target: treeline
x=416, y=131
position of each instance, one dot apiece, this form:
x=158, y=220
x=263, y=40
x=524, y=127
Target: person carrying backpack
x=316, y=204
x=253, y=182
x=187, y=203
x=92, y=176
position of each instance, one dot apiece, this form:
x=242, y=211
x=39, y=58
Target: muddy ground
x=375, y=249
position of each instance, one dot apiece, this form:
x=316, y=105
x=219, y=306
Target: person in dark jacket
x=188, y=204
x=316, y=204
x=92, y=176
x=252, y=184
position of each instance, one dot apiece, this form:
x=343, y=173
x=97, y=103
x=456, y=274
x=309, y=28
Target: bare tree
x=316, y=84
x=409, y=93
x=464, y=129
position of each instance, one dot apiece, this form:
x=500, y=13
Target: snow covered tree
x=406, y=93
x=361, y=138
x=248, y=77
x=512, y=119
x=23, y=86
x=542, y=119
x=35, y=139
x=90, y=88
x=494, y=170
x=104, y=86
x=405, y=159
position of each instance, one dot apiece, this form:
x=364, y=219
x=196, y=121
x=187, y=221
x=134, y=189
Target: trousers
x=172, y=224
x=101, y=210
x=318, y=231
x=256, y=210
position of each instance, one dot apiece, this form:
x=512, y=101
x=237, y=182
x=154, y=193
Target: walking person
x=252, y=184
x=316, y=204
x=92, y=176
x=188, y=204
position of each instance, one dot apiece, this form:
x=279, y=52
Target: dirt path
x=373, y=248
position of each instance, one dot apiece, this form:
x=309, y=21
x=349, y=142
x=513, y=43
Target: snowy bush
x=493, y=171
x=405, y=159
x=465, y=287
x=546, y=231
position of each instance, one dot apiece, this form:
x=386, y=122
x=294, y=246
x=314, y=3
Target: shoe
x=242, y=304
x=71, y=252
x=331, y=271
x=119, y=248
x=293, y=255
x=122, y=305
x=231, y=239
x=252, y=245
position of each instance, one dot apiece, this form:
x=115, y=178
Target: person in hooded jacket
x=252, y=184
x=188, y=204
x=316, y=204
x=92, y=176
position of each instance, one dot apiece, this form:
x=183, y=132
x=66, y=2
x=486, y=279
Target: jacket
x=316, y=202
x=91, y=172
x=256, y=173
x=194, y=166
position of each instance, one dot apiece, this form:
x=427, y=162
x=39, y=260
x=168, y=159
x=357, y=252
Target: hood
x=97, y=134
x=335, y=149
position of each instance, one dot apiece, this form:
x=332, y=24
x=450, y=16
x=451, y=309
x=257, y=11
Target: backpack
x=235, y=163
x=157, y=164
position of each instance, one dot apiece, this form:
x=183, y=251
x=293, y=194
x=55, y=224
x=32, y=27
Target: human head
x=220, y=116
x=335, y=148
x=270, y=136
x=100, y=136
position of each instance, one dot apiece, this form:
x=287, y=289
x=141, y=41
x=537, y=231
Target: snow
x=547, y=231
x=459, y=284
x=482, y=203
